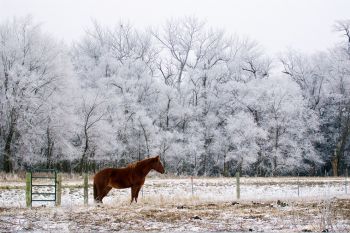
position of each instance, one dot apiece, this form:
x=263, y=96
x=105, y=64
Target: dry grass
x=160, y=214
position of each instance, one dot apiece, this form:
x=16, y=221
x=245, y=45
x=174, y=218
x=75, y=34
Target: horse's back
x=121, y=178
x=114, y=177
x=102, y=177
x=103, y=173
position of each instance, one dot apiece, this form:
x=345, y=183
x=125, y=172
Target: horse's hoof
x=99, y=204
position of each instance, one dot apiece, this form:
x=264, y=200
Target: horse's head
x=157, y=165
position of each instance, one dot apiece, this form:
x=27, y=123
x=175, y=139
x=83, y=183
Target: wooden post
x=58, y=190
x=346, y=181
x=298, y=186
x=192, y=184
x=238, y=189
x=28, y=189
x=86, y=189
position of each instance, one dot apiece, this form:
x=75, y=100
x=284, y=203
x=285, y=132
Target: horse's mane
x=134, y=164
x=131, y=165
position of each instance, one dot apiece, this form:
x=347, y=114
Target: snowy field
x=210, y=204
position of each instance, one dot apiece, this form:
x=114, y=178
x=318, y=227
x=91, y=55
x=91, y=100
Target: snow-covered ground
x=266, y=204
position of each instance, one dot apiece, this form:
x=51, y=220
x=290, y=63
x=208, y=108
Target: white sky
x=304, y=25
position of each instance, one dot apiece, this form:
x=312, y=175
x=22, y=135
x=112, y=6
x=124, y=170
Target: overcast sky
x=304, y=25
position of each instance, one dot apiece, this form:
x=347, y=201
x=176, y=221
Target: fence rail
x=233, y=188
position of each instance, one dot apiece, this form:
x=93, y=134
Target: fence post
x=59, y=190
x=192, y=184
x=28, y=189
x=298, y=186
x=346, y=181
x=238, y=189
x=86, y=189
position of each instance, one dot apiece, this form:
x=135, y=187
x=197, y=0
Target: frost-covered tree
x=207, y=102
x=32, y=71
x=324, y=81
x=273, y=127
x=197, y=63
x=338, y=99
x=242, y=140
x=310, y=73
x=117, y=65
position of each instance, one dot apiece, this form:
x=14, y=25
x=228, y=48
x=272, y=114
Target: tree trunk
x=225, y=168
x=336, y=158
x=335, y=163
x=146, y=138
x=8, y=166
x=258, y=162
x=167, y=115
x=339, y=150
x=83, y=162
x=50, y=145
x=7, y=155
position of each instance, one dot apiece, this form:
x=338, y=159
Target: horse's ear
x=158, y=157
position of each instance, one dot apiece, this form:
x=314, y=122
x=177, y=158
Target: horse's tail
x=95, y=191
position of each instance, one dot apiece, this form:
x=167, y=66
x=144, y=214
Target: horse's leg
x=97, y=193
x=133, y=189
x=104, y=192
x=101, y=191
x=137, y=192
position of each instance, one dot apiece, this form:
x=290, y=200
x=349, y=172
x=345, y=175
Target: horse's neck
x=144, y=167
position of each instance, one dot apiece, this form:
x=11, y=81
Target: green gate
x=38, y=180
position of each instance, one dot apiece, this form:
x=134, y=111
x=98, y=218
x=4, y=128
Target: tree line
x=208, y=103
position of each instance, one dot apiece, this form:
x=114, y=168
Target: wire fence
x=196, y=189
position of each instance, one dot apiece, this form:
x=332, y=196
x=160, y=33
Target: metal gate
x=43, y=179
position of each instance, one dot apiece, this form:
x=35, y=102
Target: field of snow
x=210, y=204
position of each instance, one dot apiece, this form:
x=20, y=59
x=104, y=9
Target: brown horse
x=133, y=176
